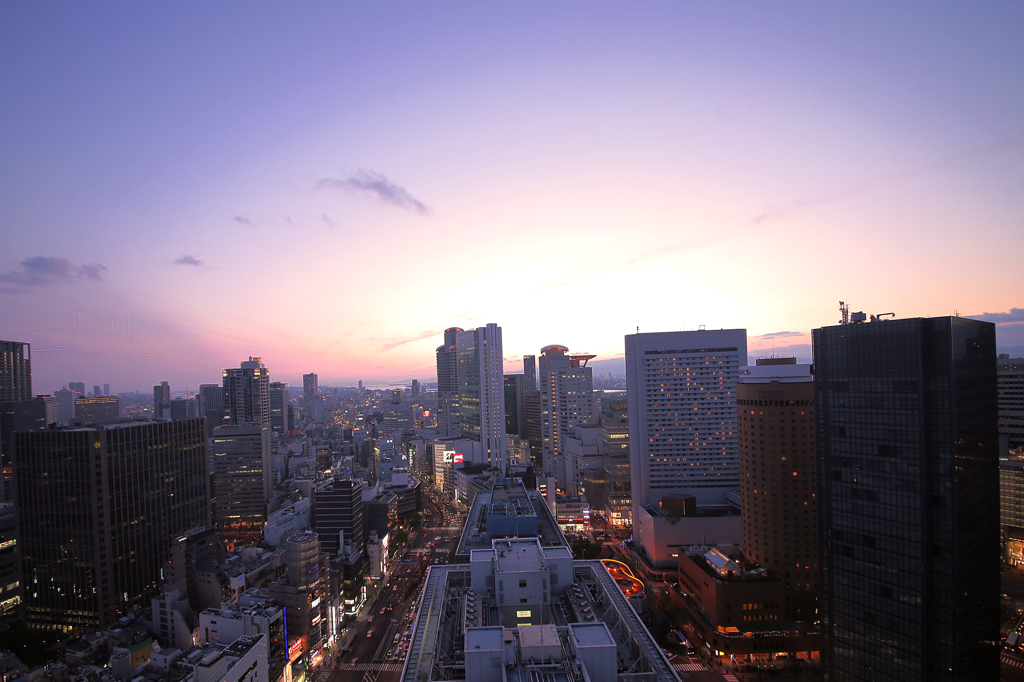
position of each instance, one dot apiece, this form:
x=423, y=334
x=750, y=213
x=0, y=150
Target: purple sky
x=331, y=185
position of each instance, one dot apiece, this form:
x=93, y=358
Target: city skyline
x=395, y=171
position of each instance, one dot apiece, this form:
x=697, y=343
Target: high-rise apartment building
x=481, y=397
x=336, y=513
x=908, y=487
x=278, y=407
x=681, y=390
x=614, y=448
x=211, y=406
x=15, y=371
x=566, y=401
x=247, y=393
x=310, y=388
x=98, y=510
x=448, y=385
x=242, y=475
x=778, y=477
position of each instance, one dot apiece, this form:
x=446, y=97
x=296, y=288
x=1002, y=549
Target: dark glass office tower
x=337, y=512
x=98, y=509
x=909, y=508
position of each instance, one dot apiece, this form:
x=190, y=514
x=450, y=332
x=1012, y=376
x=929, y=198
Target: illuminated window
x=523, y=614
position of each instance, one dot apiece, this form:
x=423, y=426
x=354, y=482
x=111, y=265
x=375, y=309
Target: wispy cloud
x=243, y=220
x=327, y=219
x=188, y=260
x=376, y=185
x=425, y=334
x=45, y=271
x=779, y=335
x=780, y=211
x=1015, y=315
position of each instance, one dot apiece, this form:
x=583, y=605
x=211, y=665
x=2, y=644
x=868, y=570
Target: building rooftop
x=525, y=512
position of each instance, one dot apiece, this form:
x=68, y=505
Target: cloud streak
x=425, y=334
x=47, y=271
x=243, y=220
x=188, y=260
x=779, y=335
x=378, y=186
x=1015, y=315
x=781, y=211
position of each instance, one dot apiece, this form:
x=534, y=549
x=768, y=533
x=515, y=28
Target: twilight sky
x=330, y=185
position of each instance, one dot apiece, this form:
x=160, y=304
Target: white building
x=681, y=389
x=481, y=397
x=566, y=400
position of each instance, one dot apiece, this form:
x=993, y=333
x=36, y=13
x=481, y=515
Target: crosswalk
x=682, y=667
x=1015, y=662
x=385, y=667
x=729, y=677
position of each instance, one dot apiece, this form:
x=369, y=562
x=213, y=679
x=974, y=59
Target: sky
x=330, y=185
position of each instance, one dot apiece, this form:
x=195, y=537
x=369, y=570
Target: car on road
x=369, y=633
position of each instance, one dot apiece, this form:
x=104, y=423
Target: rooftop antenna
x=844, y=310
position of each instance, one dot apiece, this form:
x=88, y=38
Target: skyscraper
x=909, y=495
x=15, y=371
x=448, y=385
x=336, y=514
x=778, y=477
x=530, y=372
x=242, y=474
x=681, y=390
x=1010, y=378
x=566, y=401
x=310, y=388
x=65, y=402
x=515, y=404
x=99, y=410
x=162, y=401
x=481, y=397
x=247, y=393
x=278, y=407
x=211, y=406
x=98, y=509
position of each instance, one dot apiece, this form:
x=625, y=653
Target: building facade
x=98, y=510
x=779, y=477
x=481, y=397
x=247, y=393
x=242, y=476
x=566, y=401
x=448, y=385
x=15, y=371
x=908, y=487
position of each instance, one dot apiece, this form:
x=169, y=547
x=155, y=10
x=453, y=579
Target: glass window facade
x=909, y=494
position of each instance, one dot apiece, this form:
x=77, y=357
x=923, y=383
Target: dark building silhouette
x=909, y=494
x=247, y=393
x=15, y=371
x=98, y=510
x=337, y=512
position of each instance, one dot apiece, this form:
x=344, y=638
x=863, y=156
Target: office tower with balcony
x=448, y=385
x=566, y=401
x=778, y=477
x=278, y=407
x=481, y=396
x=241, y=455
x=98, y=510
x=909, y=499
x=15, y=371
x=247, y=393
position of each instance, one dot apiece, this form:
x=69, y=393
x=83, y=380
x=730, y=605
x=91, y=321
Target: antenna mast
x=844, y=310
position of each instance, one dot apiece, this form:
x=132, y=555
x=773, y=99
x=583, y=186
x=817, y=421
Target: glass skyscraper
x=909, y=499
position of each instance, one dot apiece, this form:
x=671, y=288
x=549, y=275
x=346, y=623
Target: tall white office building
x=566, y=401
x=681, y=391
x=481, y=396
